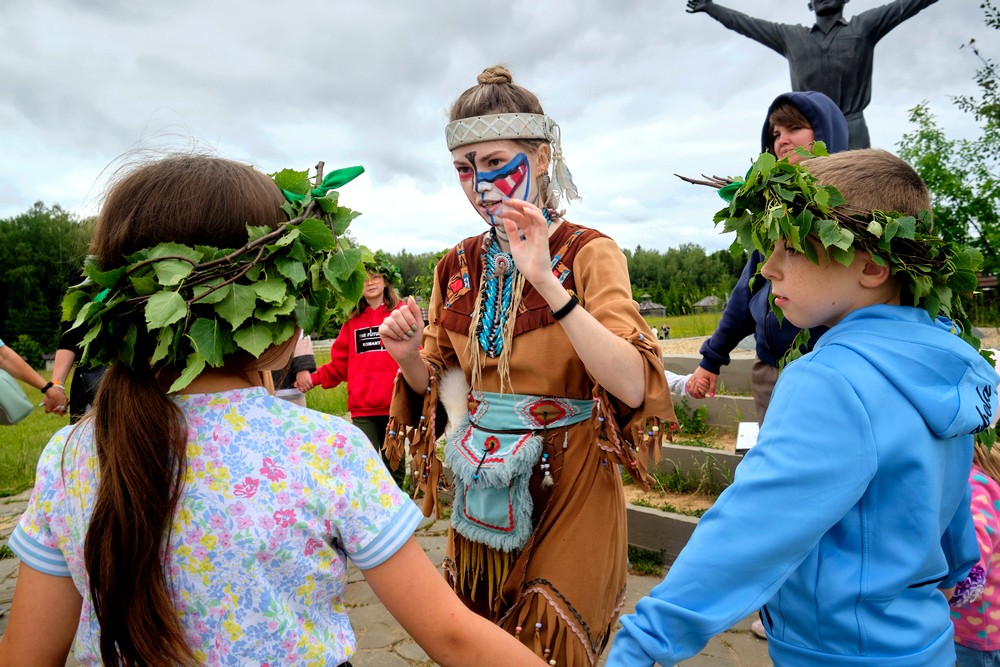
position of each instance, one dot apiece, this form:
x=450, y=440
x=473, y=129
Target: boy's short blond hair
x=872, y=179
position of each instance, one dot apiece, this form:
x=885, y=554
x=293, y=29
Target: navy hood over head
x=827, y=120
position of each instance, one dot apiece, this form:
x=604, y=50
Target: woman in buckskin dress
x=537, y=316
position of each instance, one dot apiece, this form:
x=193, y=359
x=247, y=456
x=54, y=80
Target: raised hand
x=697, y=6
x=528, y=235
x=402, y=330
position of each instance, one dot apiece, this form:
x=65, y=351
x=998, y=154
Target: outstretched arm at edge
x=418, y=597
x=43, y=620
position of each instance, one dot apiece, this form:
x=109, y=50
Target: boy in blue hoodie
x=853, y=508
x=792, y=120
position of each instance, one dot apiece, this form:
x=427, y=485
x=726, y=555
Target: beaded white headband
x=516, y=126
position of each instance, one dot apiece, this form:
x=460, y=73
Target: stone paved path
x=383, y=643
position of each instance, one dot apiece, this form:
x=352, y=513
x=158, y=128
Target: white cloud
x=641, y=89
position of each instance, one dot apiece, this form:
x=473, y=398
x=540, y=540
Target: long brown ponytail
x=140, y=433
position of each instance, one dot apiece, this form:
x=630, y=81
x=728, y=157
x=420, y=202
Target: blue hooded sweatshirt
x=748, y=311
x=847, y=515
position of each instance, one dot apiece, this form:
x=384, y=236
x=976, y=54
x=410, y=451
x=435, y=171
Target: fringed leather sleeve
x=632, y=437
x=418, y=420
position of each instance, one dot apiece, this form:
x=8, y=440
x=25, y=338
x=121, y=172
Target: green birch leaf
x=342, y=219
x=207, y=339
x=254, y=338
x=353, y=287
x=103, y=278
x=143, y=285
x=163, y=341
x=209, y=292
x=969, y=259
x=843, y=255
x=733, y=224
x=87, y=312
x=907, y=227
x=270, y=313
x=255, y=232
x=237, y=306
x=822, y=198
x=293, y=181
x=307, y=316
x=72, y=302
x=784, y=193
x=127, y=351
x=164, y=308
x=291, y=269
x=192, y=369
x=963, y=281
x=285, y=239
x=171, y=272
x=272, y=290
x=283, y=331
x=836, y=199
x=328, y=203
x=315, y=234
x=94, y=332
x=297, y=251
x=921, y=286
x=932, y=304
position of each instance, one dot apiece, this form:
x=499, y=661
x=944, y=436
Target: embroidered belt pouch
x=492, y=454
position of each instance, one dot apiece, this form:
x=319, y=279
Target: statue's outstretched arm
x=877, y=22
x=768, y=33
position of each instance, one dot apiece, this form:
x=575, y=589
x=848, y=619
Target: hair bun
x=497, y=74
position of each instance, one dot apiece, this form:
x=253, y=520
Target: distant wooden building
x=708, y=303
x=647, y=308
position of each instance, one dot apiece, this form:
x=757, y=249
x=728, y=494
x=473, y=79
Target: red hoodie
x=359, y=357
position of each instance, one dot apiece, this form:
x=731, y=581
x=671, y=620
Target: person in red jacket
x=359, y=358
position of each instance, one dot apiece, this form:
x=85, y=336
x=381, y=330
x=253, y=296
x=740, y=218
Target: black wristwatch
x=46, y=388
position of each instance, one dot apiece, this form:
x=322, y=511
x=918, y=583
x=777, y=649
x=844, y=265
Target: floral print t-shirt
x=276, y=499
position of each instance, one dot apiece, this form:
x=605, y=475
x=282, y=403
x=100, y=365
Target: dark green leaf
x=143, y=285
x=207, y=339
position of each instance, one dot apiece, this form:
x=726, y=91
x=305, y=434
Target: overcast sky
x=640, y=88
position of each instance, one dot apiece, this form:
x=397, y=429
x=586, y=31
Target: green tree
x=41, y=252
x=963, y=175
x=417, y=271
x=680, y=277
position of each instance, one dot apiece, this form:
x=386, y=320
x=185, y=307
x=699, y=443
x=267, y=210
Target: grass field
x=685, y=326
x=22, y=444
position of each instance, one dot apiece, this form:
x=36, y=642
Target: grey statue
x=834, y=56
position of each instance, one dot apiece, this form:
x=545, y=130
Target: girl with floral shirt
x=213, y=525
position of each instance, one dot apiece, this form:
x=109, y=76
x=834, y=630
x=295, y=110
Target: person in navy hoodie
x=793, y=120
x=851, y=514
x=358, y=356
